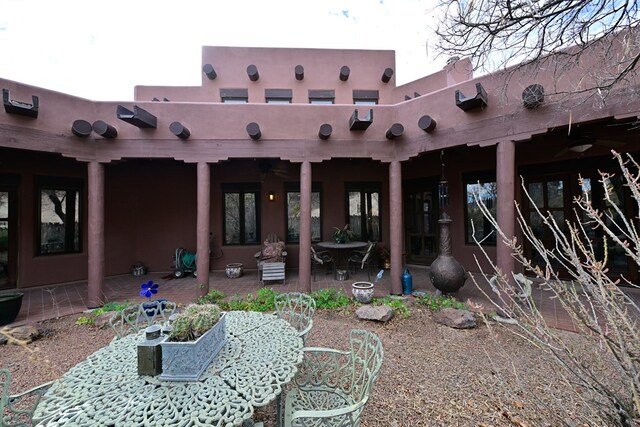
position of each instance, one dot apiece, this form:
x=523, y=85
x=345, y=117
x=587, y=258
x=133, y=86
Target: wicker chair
x=298, y=309
x=332, y=386
x=17, y=410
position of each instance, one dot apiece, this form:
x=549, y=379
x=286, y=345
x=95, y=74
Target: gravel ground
x=432, y=375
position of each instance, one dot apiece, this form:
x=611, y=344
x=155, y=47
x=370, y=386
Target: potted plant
x=344, y=234
x=195, y=338
x=10, y=307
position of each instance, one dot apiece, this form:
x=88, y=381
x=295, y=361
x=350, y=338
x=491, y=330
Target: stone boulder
x=380, y=313
x=25, y=333
x=455, y=318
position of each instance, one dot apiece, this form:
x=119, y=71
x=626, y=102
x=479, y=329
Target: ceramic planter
x=10, y=307
x=186, y=361
x=362, y=291
x=234, y=270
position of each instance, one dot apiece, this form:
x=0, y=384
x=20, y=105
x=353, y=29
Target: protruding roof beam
x=394, y=131
x=386, y=75
x=325, y=131
x=253, y=129
x=426, y=123
x=208, y=70
x=344, y=73
x=179, y=130
x=252, y=72
x=533, y=96
x=104, y=130
x=81, y=128
x=299, y=72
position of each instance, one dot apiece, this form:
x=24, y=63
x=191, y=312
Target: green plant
x=86, y=320
x=344, y=234
x=330, y=298
x=213, y=297
x=399, y=306
x=90, y=318
x=110, y=306
x=437, y=303
x=194, y=322
x=262, y=301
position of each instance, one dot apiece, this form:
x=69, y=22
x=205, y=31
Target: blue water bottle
x=407, y=282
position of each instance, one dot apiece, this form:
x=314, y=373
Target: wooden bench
x=272, y=271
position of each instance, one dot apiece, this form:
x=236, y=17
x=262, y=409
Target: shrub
x=398, y=305
x=213, y=297
x=605, y=374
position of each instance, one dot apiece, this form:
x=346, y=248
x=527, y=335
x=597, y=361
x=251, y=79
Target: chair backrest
x=366, y=356
x=17, y=410
x=297, y=309
x=367, y=255
x=138, y=316
x=315, y=258
x=272, y=238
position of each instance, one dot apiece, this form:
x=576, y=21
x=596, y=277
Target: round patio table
x=261, y=356
x=342, y=252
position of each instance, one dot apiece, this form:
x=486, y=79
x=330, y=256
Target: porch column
x=395, y=225
x=95, y=238
x=304, y=258
x=203, y=228
x=505, y=209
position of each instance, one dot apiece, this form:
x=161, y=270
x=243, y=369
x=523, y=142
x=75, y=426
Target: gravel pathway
x=432, y=375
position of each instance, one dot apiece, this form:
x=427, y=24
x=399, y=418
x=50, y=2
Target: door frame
x=10, y=184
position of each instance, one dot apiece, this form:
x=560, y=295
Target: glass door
x=420, y=210
x=7, y=237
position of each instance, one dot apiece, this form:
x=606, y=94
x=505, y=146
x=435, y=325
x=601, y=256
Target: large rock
x=455, y=318
x=26, y=333
x=380, y=313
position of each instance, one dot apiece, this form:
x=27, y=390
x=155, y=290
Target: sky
x=101, y=49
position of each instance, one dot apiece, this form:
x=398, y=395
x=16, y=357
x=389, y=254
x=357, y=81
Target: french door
x=8, y=242
x=420, y=221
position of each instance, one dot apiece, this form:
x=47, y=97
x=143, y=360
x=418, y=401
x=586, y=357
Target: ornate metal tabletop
x=261, y=355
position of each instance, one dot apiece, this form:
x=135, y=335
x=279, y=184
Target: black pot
x=10, y=307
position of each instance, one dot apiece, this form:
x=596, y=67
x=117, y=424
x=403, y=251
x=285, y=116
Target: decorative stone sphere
x=234, y=270
x=362, y=291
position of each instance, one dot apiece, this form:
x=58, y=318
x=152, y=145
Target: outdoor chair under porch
x=362, y=259
x=332, y=386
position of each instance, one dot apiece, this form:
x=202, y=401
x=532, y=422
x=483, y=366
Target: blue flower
x=149, y=289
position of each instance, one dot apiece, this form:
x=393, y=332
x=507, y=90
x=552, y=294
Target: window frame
x=278, y=96
x=322, y=97
x=474, y=179
x=294, y=187
x=234, y=96
x=365, y=189
x=242, y=189
x=60, y=184
x=366, y=97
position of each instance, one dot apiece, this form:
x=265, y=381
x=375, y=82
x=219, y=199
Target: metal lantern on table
x=446, y=273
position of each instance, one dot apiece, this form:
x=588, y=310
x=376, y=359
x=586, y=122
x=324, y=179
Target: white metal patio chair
x=138, y=316
x=17, y=410
x=297, y=309
x=332, y=387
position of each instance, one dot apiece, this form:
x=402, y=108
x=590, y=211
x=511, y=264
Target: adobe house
x=293, y=142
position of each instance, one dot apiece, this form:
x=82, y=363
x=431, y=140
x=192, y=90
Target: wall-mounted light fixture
x=272, y=196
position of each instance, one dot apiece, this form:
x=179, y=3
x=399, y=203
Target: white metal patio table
x=261, y=356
